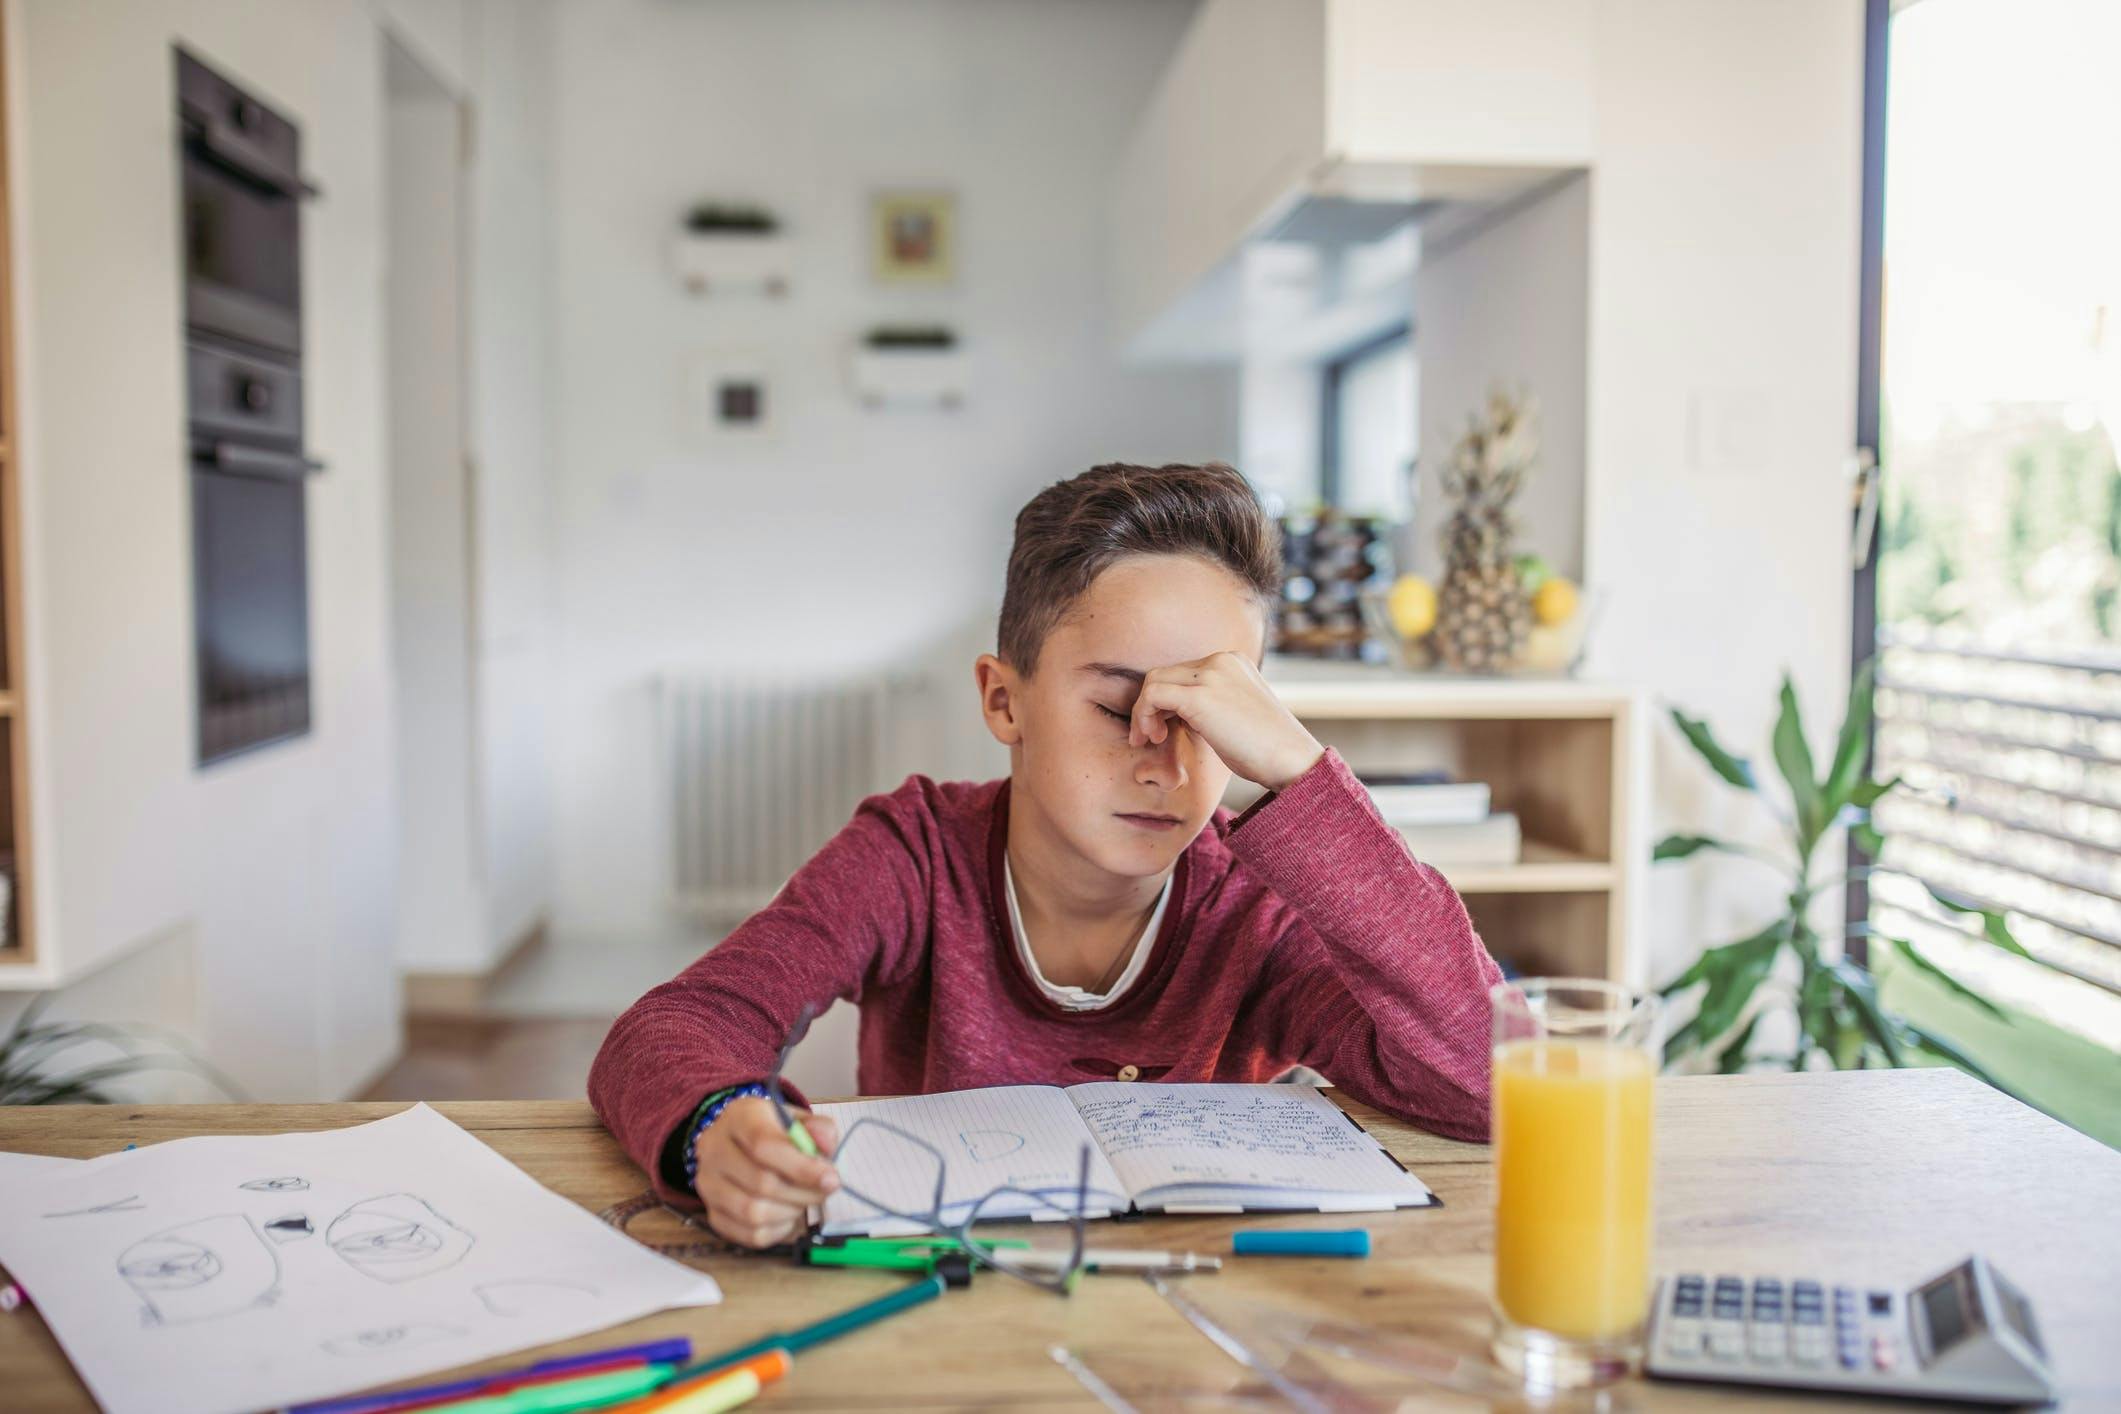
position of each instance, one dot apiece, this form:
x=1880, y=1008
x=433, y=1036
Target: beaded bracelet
x=709, y=1111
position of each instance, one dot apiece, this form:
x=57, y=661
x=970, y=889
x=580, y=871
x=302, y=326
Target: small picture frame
x=913, y=237
x=729, y=394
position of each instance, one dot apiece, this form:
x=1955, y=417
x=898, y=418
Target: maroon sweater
x=1300, y=933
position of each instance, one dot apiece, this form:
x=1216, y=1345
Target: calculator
x=1965, y=1335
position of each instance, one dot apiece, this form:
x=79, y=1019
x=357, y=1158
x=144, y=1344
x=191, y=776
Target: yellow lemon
x=1412, y=605
x=1555, y=603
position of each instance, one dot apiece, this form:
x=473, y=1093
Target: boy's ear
x=999, y=703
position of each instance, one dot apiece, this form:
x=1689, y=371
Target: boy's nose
x=1163, y=764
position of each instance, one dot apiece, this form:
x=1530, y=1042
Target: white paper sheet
x=238, y=1272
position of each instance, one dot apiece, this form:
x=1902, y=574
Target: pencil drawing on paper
x=201, y=1270
x=985, y=1144
x=130, y=1203
x=291, y=1228
x=533, y=1297
x=396, y=1238
x=286, y=1184
x=383, y=1339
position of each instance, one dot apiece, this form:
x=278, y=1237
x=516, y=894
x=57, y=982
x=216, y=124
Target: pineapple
x=1483, y=612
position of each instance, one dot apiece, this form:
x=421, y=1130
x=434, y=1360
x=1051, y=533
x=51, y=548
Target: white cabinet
x=1445, y=107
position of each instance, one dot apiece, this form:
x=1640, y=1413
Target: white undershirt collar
x=1078, y=998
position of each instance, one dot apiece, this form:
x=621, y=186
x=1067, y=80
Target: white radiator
x=764, y=772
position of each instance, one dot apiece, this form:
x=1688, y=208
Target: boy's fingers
x=824, y=1132
x=757, y=1182
x=744, y=1217
x=768, y=1145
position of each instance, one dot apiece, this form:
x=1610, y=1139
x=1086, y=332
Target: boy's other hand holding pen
x=757, y=1184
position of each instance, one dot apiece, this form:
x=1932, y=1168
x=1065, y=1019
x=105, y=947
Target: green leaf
x=1993, y=926
x=1732, y=1058
x=1680, y=846
x=1735, y=769
x=1735, y=972
x=1868, y=839
x=1869, y=793
x=1862, y=991
x=1951, y=984
x=1944, y=1050
x=1854, y=744
x=1794, y=757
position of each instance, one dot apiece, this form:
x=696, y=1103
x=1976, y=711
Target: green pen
x=902, y=1254
x=566, y=1396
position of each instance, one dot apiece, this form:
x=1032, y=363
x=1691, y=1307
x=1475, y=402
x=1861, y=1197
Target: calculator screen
x=1945, y=1302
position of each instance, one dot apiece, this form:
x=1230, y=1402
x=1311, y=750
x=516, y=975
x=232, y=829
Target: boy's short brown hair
x=1073, y=530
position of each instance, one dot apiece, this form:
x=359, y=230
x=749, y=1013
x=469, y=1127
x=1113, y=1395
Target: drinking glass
x=1573, y=1067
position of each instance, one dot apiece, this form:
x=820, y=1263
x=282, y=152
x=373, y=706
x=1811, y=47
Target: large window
x=1998, y=566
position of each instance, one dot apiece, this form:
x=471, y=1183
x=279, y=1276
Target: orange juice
x=1572, y=1186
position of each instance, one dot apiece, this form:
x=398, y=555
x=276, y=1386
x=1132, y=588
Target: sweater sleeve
x=1383, y=983
x=850, y=918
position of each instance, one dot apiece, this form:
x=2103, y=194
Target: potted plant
x=1839, y=1017
x=28, y=1075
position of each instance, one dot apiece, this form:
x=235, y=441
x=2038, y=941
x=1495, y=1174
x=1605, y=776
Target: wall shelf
x=733, y=262
x=910, y=377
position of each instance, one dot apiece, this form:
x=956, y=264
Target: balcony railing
x=2013, y=763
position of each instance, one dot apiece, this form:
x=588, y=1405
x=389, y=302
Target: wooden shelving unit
x=20, y=947
x=1564, y=755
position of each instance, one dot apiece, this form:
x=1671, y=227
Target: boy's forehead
x=1153, y=611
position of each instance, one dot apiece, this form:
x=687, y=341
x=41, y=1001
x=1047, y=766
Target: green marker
x=566, y=1396
x=800, y=1137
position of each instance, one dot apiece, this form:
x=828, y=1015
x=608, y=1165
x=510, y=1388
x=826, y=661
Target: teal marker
x=1340, y=1242
x=567, y=1396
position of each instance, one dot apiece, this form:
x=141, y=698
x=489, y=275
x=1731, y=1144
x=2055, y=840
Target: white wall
x=853, y=538
x=270, y=879
x=1508, y=304
x=1723, y=265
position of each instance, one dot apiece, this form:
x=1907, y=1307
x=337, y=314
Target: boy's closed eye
x=1116, y=714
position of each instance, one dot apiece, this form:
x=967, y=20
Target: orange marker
x=743, y=1379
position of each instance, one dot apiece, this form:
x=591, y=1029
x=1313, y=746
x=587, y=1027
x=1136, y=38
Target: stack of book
x=1446, y=821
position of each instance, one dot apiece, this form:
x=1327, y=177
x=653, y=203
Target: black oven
x=248, y=470
x=242, y=213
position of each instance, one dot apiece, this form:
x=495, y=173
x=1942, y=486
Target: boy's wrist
x=701, y=1119
x=1298, y=765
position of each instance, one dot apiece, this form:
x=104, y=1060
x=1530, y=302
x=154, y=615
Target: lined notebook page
x=1286, y=1137
x=1026, y=1136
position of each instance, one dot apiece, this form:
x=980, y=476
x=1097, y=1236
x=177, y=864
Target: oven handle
x=257, y=461
x=232, y=152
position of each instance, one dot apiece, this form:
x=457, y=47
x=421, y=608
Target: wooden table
x=1888, y=1176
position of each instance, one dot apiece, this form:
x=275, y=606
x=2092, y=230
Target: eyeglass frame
x=1061, y=1279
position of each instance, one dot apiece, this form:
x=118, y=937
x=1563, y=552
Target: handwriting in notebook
x=1236, y=1134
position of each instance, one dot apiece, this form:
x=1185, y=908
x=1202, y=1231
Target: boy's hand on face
x=758, y=1187
x=1223, y=699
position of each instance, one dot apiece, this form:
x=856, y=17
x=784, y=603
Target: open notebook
x=1153, y=1148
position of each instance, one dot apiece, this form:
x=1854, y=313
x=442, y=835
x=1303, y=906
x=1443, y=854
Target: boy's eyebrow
x=1114, y=670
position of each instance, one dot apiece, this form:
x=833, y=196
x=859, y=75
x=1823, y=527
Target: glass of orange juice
x=1573, y=1065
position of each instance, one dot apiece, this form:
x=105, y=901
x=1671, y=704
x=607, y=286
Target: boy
x=1094, y=916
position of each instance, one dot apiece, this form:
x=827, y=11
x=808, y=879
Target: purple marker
x=676, y=1350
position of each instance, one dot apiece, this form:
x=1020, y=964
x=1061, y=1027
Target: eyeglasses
x=919, y=1181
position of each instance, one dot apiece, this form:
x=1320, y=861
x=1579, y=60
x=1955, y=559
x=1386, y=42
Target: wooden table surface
x=1888, y=1177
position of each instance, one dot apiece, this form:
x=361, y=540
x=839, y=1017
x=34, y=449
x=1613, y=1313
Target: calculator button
x=1881, y=1303
x=1808, y=1316
x=1682, y=1338
x=1687, y=1310
x=1883, y=1354
x=1768, y=1345
x=1689, y=1281
x=1726, y=1340
x=1808, y=1348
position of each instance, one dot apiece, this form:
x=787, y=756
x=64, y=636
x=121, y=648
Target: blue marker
x=1344, y=1242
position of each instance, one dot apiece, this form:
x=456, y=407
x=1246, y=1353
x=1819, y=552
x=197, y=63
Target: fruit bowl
x=1551, y=649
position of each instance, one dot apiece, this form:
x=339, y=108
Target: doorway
x=439, y=909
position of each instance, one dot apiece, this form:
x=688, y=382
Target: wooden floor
x=479, y=1058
